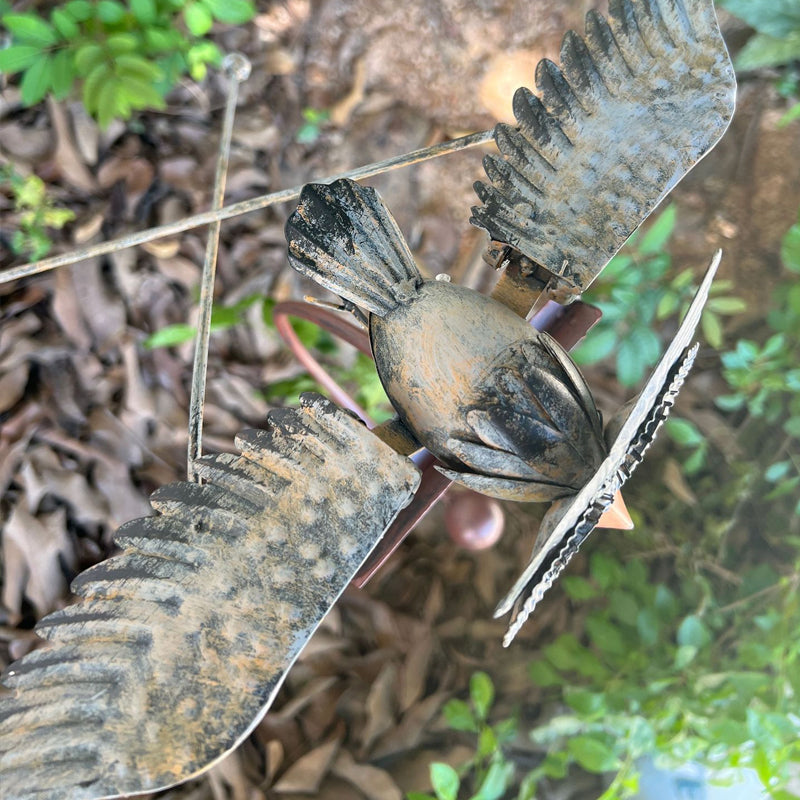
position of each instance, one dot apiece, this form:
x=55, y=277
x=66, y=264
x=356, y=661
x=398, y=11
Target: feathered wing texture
x=536, y=434
x=634, y=106
x=181, y=643
x=343, y=237
x=568, y=522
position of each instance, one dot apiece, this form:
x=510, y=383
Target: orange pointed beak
x=616, y=515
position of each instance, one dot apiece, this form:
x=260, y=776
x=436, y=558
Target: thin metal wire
x=243, y=207
x=237, y=69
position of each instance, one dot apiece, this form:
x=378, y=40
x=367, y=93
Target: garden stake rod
x=236, y=209
x=237, y=69
x=180, y=643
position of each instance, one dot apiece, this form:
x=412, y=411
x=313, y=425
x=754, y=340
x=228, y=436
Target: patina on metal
x=635, y=104
x=181, y=643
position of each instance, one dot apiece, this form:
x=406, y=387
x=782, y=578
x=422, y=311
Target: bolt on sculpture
x=180, y=643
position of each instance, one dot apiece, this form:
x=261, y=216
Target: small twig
x=237, y=68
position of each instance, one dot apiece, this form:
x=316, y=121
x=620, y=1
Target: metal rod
x=237, y=68
x=243, y=207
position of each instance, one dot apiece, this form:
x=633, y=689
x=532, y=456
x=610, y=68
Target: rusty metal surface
x=180, y=643
x=501, y=405
x=635, y=104
x=568, y=522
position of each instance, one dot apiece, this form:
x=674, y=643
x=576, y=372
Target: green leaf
x=100, y=75
x=727, y=305
x=667, y=305
x=141, y=94
x=592, y=754
x=232, y=12
x=683, y=432
x=30, y=29
x=481, y=692
x=647, y=626
x=121, y=43
x=459, y=716
x=606, y=636
x=542, y=674
x=110, y=12
x=110, y=103
x=17, y=57
x=36, y=80
x=775, y=17
x=445, y=781
x=88, y=56
x=630, y=362
x=792, y=113
x=693, y=631
x=712, y=329
x=64, y=24
x=585, y=702
x=605, y=571
x=79, y=10
x=684, y=656
x=170, y=336
x=655, y=238
x=595, y=347
x=419, y=796
x=623, y=606
x=790, y=248
x=63, y=74
x=198, y=18
x=144, y=10
x=730, y=402
x=578, y=588
x=137, y=67
x=497, y=780
x=763, y=50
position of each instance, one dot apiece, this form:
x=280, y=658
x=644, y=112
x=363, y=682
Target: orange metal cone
x=616, y=515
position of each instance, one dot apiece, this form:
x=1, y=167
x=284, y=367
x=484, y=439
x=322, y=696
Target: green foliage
x=775, y=43
x=36, y=214
x=310, y=130
x=692, y=672
x=489, y=774
x=765, y=381
x=119, y=57
x=635, y=292
x=777, y=37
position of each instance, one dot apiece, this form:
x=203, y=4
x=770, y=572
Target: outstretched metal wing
x=633, y=107
x=569, y=522
x=181, y=643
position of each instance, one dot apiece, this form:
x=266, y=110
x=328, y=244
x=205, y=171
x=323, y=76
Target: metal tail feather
x=343, y=237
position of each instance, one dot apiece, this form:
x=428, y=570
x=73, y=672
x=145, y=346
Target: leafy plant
x=36, y=213
x=635, y=292
x=489, y=773
x=121, y=57
x=765, y=379
x=775, y=43
x=311, y=128
x=692, y=673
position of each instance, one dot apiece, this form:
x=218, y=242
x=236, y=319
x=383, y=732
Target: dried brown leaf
x=307, y=773
x=32, y=549
x=374, y=783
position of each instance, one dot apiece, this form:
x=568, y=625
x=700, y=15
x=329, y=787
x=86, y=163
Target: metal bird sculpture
x=179, y=644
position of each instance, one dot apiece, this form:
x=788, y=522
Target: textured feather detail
x=567, y=524
x=633, y=107
x=181, y=642
x=343, y=237
x=535, y=432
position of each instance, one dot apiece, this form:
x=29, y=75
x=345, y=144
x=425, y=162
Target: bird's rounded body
x=433, y=353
